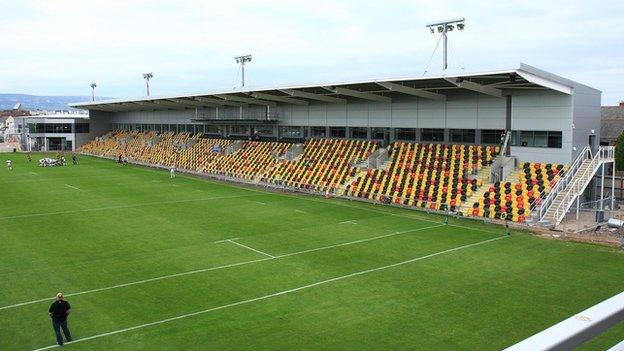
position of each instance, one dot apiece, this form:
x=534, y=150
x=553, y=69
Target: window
x=462, y=135
x=379, y=133
x=359, y=132
x=82, y=127
x=405, y=134
x=538, y=138
x=491, y=136
x=213, y=130
x=337, y=132
x=265, y=131
x=318, y=132
x=239, y=130
x=290, y=132
x=429, y=134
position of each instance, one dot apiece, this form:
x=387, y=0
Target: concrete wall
x=99, y=124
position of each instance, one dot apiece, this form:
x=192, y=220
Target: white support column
x=613, y=186
x=602, y=177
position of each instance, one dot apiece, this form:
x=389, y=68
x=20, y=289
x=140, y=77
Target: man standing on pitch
x=59, y=310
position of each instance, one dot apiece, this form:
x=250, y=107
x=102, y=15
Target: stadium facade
x=551, y=118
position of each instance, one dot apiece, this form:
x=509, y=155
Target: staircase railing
x=496, y=173
x=580, y=181
x=563, y=182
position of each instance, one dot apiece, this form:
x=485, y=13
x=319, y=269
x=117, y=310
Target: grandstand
x=491, y=145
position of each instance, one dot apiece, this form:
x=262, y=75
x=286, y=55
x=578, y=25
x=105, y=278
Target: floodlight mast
x=93, y=86
x=445, y=27
x=147, y=77
x=241, y=60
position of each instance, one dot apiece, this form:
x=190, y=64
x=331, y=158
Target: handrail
x=604, y=154
x=563, y=182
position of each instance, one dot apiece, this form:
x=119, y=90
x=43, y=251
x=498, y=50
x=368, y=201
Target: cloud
x=59, y=47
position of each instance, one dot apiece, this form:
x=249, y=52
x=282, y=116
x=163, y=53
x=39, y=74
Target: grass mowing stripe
x=216, y=268
x=280, y=293
x=306, y=197
x=123, y=206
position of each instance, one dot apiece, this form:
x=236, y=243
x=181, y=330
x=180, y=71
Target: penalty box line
x=175, y=275
x=276, y=294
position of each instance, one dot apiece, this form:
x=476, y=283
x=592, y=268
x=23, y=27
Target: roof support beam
x=359, y=94
x=280, y=99
x=461, y=83
x=312, y=96
x=412, y=91
x=217, y=101
x=171, y=104
x=246, y=100
x=192, y=103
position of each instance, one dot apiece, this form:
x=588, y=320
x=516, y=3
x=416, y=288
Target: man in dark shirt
x=59, y=311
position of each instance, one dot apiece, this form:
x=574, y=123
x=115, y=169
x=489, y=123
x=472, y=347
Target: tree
x=619, y=153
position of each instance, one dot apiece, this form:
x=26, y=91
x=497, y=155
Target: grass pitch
x=149, y=262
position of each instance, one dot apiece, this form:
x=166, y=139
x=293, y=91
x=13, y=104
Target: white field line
x=73, y=187
x=276, y=294
x=224, y=240
x=353, y=221
x=64, y=178
x=33, y=173
x=217, y=268
x=123, y=206
x=300, y=211
x=251, y=248
x=260, y=203
x=359, y=241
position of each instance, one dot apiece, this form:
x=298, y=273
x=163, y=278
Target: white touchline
x=280, y=293
x=123, y=206
x=224, y=240
x=353, y=221
x=299, y=211
x=217, y=268
x=250, y=248
x=73, y=187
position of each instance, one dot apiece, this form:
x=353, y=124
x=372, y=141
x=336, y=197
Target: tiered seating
x=434, y=176
x=514, y=201
x=108, y=145
x=325, y=163
x=199, y=156
x=255, y=158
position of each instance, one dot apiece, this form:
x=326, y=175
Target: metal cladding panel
x=585, y=116
x=300, y=115
x=541, y=111
x=357, y=115
x=336, y=115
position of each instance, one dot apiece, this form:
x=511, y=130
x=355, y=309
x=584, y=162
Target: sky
x=59, y=47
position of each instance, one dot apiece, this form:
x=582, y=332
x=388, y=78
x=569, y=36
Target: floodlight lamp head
x=449, y=27
x=432, y=30
x=440, y=29
x=148, y=75
x=460, y=26
x=93, y=85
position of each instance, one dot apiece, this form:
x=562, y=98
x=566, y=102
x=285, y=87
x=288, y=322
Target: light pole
x=445, y=27
x=147, y=77
x=93, y=86
x=241, y=60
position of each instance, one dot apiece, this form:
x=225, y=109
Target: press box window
x=429, y=134
x=462, y=135
x=318, y=132
x=359, y=133
x=536, y=138
x=337, y=132
x=491, y=136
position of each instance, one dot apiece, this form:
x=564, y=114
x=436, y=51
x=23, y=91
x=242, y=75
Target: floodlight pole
x=444, y=27
x=147, y=77
x=241, y=60
x=93, y=86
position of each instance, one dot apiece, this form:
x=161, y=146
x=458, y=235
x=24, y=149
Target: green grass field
x=146, y=264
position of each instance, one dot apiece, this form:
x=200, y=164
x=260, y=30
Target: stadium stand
x=521, y=191
x=324, y=165
x=434, y=176
x=446, y=177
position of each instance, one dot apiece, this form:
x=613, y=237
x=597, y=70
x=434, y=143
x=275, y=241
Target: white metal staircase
x=555, y=206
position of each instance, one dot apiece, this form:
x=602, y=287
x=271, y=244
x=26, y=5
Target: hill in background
x=37, y=102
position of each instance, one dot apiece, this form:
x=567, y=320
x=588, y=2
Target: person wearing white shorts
x=10, y=165
x=172, y=171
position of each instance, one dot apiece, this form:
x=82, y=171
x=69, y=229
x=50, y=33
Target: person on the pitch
x=59, y=310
